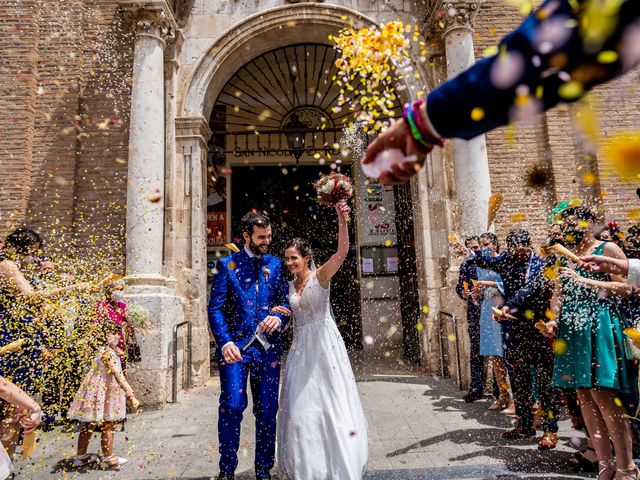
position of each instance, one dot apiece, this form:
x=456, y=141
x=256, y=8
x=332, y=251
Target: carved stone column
x=147, y=282
x=192, y=135
x=471, y=165
x=145, y=191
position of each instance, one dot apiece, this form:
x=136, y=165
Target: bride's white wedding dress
x=322, y=430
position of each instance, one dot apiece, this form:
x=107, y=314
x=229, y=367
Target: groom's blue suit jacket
x=239, y=301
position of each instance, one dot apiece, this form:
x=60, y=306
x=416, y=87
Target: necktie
x=256, y=269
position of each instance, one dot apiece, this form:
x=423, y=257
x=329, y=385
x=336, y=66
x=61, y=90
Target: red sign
x=216, y=228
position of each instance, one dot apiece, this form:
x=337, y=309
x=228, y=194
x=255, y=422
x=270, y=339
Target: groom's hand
x=231, y=354
x=281, y=310
x=269, y=324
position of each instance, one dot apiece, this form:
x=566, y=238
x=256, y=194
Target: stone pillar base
x=151, y=378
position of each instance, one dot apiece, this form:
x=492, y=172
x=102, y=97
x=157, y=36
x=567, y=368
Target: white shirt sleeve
x=634, y=272
x=225, y=346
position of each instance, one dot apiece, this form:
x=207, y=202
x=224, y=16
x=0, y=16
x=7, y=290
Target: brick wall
x=19, y=34
x=63, y=115
x=551, y=140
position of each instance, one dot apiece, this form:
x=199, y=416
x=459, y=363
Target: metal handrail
x=174, y=387
x=454, y=320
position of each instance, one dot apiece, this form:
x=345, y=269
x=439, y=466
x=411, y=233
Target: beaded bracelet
x=421, y=135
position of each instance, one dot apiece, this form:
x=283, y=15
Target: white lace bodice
x=312, y=305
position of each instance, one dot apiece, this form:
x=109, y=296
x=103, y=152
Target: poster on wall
x=216, y=228
x=378, y=215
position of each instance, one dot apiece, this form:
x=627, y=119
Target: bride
x=322, y=430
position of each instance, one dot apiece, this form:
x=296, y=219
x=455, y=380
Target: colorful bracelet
x=424, y=139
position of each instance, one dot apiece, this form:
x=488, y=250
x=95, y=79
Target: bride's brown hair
x=302, y=245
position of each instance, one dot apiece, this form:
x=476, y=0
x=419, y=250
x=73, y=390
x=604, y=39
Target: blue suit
x=243, y=292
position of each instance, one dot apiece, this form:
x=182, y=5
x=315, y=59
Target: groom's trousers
x=262, y=369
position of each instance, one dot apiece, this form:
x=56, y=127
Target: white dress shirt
x=633, y=276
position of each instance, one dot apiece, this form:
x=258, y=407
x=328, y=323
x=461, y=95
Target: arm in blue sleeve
x=536, y=289
x=449, y=106
x=217, y=301
x=500, y=285
x=495, y=264
x=463, y=276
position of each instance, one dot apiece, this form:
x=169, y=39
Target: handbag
x=133, y=349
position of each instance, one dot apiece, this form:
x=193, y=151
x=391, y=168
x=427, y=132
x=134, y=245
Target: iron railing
x=188, y=348
x=444, y=371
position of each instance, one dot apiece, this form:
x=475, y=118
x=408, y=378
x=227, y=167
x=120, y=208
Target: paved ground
x=418, y=429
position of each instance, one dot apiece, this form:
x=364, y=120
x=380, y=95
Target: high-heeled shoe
x=627, y=473
x=603, y=467
x=500, y=404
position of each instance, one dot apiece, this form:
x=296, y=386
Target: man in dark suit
x=527, y=295
x=465, y=290
x=245, y=289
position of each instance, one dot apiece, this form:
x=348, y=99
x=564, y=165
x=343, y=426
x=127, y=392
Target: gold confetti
x=622, y=153
x=589, y=178
x=559, y=347
x=477, y=114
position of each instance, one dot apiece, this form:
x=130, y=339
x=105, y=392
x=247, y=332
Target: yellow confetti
x=559, y=347
x=373, y=54
x=633, y=215
x=589, y=178
x=518, y=217
x=425, y=309
x=477, y=114
x=571, y=90
x=607, y=56
x=622, y=153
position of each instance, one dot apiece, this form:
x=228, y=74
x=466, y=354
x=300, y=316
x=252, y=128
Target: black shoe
x=225, y=476
x=263, y=476
x=472, y=396
x=519, y=433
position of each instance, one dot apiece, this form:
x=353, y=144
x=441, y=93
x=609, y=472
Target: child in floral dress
x=101, y=399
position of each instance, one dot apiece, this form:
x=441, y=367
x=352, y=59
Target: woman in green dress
x=590, y=346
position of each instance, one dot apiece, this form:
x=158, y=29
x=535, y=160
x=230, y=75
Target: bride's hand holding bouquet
x=343, y=210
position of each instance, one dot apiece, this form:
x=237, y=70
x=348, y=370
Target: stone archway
x=254, y=36
x=277, y=27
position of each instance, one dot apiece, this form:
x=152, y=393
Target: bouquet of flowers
x=138, y=317
x=332, y=188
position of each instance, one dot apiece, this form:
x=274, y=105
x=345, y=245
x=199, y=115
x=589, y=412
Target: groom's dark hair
x=254, y=219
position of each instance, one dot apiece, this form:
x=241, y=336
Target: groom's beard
x=255, y=249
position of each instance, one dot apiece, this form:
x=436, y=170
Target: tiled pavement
x=418, y=429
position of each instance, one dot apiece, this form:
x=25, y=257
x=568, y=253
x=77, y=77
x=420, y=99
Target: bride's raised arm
x=329, y=269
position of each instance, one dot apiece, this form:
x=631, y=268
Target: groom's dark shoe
x=225, y=476
x=263, y=476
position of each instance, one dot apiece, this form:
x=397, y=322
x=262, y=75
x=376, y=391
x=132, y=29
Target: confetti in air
x=372, y=61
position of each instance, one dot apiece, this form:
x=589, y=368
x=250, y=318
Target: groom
x=246, y=287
